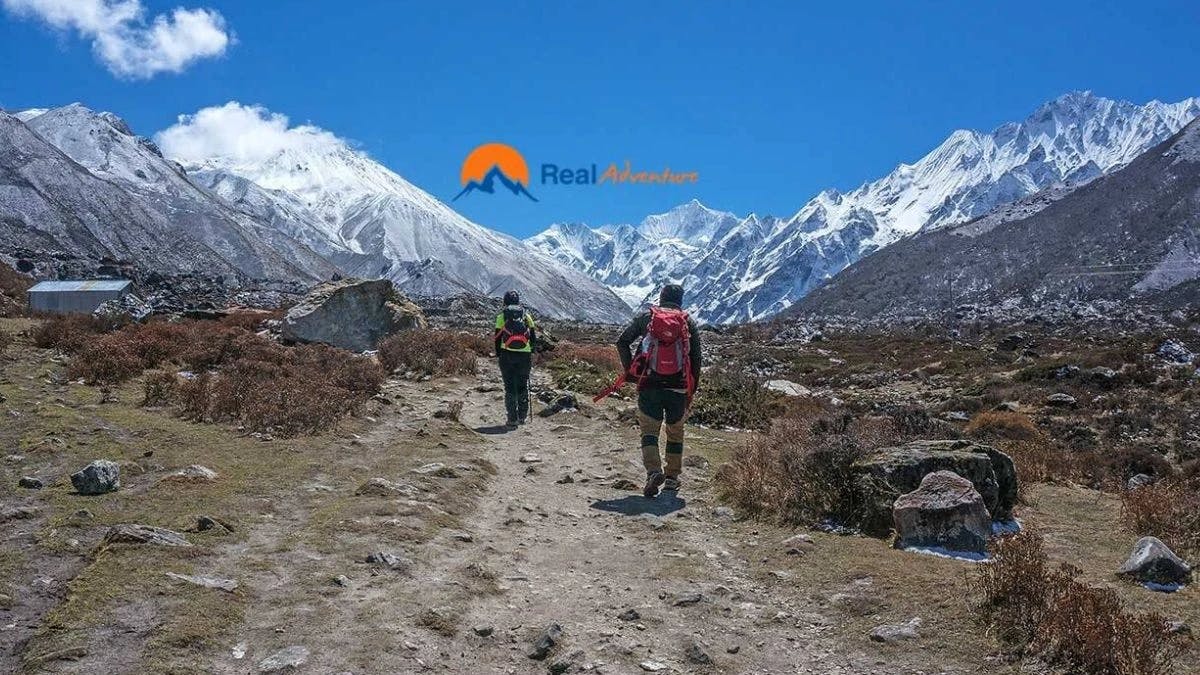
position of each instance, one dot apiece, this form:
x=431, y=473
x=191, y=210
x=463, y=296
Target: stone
x=192, y=474
x=1007, y=406
x=285, y=660
x=629, y=615
x=1154, y=562
x=208, y=523
x=625, y=484
x=1012, y=341
x=227, y=585
x=530, y=458
x=1138, y=481
x=695, y=653
x=484, y=630
x=546, y=641
x=1175, y=352
x=388, y=560
x=352, y=314
x=1061, y=400
x=30, y=483
x=652, y=666
x=688, y=600
x=945, y=511
x=567, y=479
x=97, y=478
x=787, y=388
x=909, y=630
x=17, y=513
x=885, y=474
x=567, y=664
x=382, y=487
x=144, y=534
x=127, y=307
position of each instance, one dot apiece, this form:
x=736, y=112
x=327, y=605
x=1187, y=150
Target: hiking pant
x=514, y=369
x=656, y=406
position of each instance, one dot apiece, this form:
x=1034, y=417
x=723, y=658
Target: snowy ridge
x=759, y=266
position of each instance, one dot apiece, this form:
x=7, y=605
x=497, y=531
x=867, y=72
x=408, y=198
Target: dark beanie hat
x=512, y=298
x=671, y=294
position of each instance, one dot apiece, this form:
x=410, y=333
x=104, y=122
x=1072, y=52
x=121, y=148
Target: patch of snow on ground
x=940, y=552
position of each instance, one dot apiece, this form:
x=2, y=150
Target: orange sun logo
x=492, y=162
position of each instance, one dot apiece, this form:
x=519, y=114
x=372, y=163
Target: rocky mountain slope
x=1133, y=233
x=760, y=266
x=82, y=190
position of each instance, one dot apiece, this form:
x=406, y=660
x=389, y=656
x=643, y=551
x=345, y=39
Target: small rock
x=567, y=664
x=388, y=560
x=1153, y=562
x=530, y=458
x=629, y=615
x=652, y=666
x=733, y=649
x=431, y=468
x=897, y=632
x=144, y=534
x=798, y=544
x=465, y=537
x=1139, y=481
x=688, y=600
x=1178, y=628
x=1061, y=400
x=341, y=580
x=695, y=462
x=208, y=523
x=625, y=484
x=787, y=388
x=483, y=630
x=382, y=487
x=545, y=642
x=724, y=512
x=30, y=483
x=227, y=585
x=694, y=653
x=284, y=660
x=565, y=480
x=97, y=478
x=192, y=474
x=1008, y=406
x=1174, y=352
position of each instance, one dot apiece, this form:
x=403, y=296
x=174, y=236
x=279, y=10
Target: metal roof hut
x=76, y=297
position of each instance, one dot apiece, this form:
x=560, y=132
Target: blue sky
x=769, y=101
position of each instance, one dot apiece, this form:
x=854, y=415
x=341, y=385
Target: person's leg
x=507, y=374
x=650, y=418
x=675, y=412
x=523, y=366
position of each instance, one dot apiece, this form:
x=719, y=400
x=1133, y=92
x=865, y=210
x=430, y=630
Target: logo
x=492, y=162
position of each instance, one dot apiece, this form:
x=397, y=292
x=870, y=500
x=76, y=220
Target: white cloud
x=123, y=39
x=234, y=134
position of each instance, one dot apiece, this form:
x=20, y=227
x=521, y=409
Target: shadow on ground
x=494, y=430
x=636, y=505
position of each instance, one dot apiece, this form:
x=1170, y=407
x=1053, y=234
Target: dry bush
x=68, y=332
x=104, y=360
x=6, y=341
x=1134, y=459
x=1040, y=461
x=478, y=344
x=427, y=351
x=992, y=425
x=251, y=319
x=159, y=388
x=1168, y=509
x=1050, y=614
x=801, y=470
x=604, y=357
x=729, y=398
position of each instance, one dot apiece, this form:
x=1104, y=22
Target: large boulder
x=1154, y=562
x=885, y=474
x=946, y=511
x=97, y=478
x=351, y=314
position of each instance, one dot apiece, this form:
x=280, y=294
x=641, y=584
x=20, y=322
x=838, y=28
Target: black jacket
x=634, y=333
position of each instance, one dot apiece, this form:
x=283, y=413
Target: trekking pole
x=529, y=393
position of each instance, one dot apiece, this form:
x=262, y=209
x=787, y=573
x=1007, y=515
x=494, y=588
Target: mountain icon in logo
x=492, y=162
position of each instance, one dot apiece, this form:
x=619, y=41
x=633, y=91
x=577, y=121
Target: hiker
x=668, y=373
x=516, y=335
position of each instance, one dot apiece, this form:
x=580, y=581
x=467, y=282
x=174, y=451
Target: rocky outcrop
x=885, y=474
x=144, y=535
x=946, y=512
x=352, y=314
x=97, y=478
x=1154, y=562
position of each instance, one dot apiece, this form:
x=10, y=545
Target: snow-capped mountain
x=761, y=266
x=373, y=223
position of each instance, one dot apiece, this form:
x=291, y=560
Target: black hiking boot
x=510, y=425
x=671, y=484
x=654, y=481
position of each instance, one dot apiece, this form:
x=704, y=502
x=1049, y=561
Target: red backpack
x=667, y=344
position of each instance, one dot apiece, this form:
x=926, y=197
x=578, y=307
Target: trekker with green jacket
x=516, y=335
x=668, y=371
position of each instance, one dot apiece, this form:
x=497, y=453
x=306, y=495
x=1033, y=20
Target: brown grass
x=993, y=425
x=1169, y=510
x=429, y=352
x=6, y=341
x=1052, y=615
x=603, y=357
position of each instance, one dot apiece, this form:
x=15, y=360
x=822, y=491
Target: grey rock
x=382, y=487
x=545, y=642
x=192, y=474
x=567, y=664
x=352, y=314
x=97, y=478
x=144, y=535
x=629, y=615
x=484, y=630
x=946, y=511
x=388, y=560
x=695, y=653
x=787, y=388
x=1175, y=352
x=1138, y=481
x=908, y=630
x=1061, y=400
x=885, y=474
x=285, y=660
x=1152, y=561
x=688, y=599
x=227, y=585
x=30, y=483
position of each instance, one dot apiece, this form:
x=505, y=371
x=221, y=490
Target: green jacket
x=528, y=348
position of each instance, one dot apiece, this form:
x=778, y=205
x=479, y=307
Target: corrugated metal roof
x=94, y=285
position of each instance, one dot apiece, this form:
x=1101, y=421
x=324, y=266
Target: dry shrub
x=1168, y=509
x=1050, y=614
x=992, y=425
x=1040, y=461
x=69, y=332
x=251, y=319
x=103, y=360
x=427, y=351
x=801, y=470
x=1134, y=459
x=6, y=341
x=159, y=388
x=728, y=398
x=604, y=357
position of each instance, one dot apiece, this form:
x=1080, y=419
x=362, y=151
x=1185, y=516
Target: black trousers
x=514, y=369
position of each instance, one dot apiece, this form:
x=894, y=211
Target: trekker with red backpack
x=516, y=334
x=667, y=366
